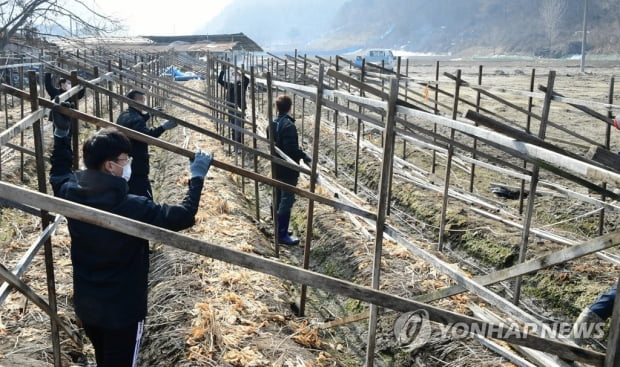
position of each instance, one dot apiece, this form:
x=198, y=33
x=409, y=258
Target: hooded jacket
x=110, y=269
x=133, y=119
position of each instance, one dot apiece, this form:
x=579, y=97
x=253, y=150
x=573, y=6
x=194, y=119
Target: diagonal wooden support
x=531, y=266
x=24, y=289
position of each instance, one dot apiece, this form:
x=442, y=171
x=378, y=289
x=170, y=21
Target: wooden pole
x=388, y=156
x=610, y=100
x=528, y=123
x=360, y=131
x=254, y=142
x=472, y=174
x=272, y=150
x=75, y=127
x=533, y=183
x=37, y=129
x=444, y=207
x=315, y=158
x=612, y=357
x=336, y=127
x=436, y=112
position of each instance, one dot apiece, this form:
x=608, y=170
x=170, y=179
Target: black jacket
x=133, y=119
x=53, y=91
x=110, y=269
x=287, y=140
x=235, y=91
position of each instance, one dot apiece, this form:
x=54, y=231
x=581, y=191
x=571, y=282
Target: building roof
x=193, y=43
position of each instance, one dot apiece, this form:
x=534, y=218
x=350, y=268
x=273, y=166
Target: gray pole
x=583, y=39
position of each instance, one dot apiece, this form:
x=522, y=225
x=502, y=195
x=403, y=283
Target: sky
x=152, y=18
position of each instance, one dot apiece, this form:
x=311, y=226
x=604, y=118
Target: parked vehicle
x=379, y=57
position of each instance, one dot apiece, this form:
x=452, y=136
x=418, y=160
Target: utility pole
x=583, y=39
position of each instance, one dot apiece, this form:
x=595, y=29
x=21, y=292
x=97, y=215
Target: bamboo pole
x=436, y=112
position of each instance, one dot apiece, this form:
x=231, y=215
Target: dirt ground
x=204, y=312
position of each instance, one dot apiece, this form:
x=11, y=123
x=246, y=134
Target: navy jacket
x=235, y=91
x=110, y=269
x=133, y=119
x=286, y=139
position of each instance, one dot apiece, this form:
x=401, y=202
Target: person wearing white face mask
x=110, y=269
x=135, y=118
x=63, y=86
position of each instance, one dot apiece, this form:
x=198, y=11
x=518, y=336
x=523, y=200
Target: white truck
x=379, y=57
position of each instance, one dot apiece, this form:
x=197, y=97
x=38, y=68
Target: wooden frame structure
x=361, y=96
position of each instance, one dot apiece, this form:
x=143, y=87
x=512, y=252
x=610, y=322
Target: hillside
x=531, y=27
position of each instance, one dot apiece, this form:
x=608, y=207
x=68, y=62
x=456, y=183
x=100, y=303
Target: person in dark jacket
x=286, y=139
x=110, y=269
x=135, y=119
x=235, y=99
x=63, y=86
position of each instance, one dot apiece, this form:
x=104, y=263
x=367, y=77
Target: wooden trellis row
x=392, y=110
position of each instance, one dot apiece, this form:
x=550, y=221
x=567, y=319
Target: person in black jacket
x=110, y=269
x=235, y=98
x=63, y=86
x=135, y=119
x=286, y=139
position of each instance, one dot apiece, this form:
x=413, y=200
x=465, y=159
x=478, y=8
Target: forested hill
x=531, y=27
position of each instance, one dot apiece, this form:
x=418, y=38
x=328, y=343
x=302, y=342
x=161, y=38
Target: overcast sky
x=177, y=17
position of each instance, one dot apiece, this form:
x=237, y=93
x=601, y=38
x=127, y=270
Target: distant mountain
x=531, y=27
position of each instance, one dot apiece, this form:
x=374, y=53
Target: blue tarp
x=179, y=75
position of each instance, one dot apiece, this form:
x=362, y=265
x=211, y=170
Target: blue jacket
x=110, y=269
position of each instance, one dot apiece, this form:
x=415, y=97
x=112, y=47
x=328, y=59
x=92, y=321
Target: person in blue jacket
x=286, y=139
x=110, y=269
x=135, y=119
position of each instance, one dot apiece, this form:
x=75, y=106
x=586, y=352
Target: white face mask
x=126, y=169
x=67, y=86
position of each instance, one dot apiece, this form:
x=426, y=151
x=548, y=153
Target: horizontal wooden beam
x=20, y=126
x=288, y=272
x=187, y=153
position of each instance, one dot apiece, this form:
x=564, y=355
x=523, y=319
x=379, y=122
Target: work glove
x=199, y=166
x=307, y=159
x=62, y=123
x=158, y=108
x=616, y=122
x=168, y=125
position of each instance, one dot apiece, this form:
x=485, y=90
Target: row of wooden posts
x=390, y=109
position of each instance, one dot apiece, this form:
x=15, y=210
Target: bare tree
x=551, y=13
x=51, y=18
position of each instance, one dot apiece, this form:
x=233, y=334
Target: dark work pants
x=116, y=347
x=141, y=186
x=285, y=199
x=236, y=118
x=604, y=305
